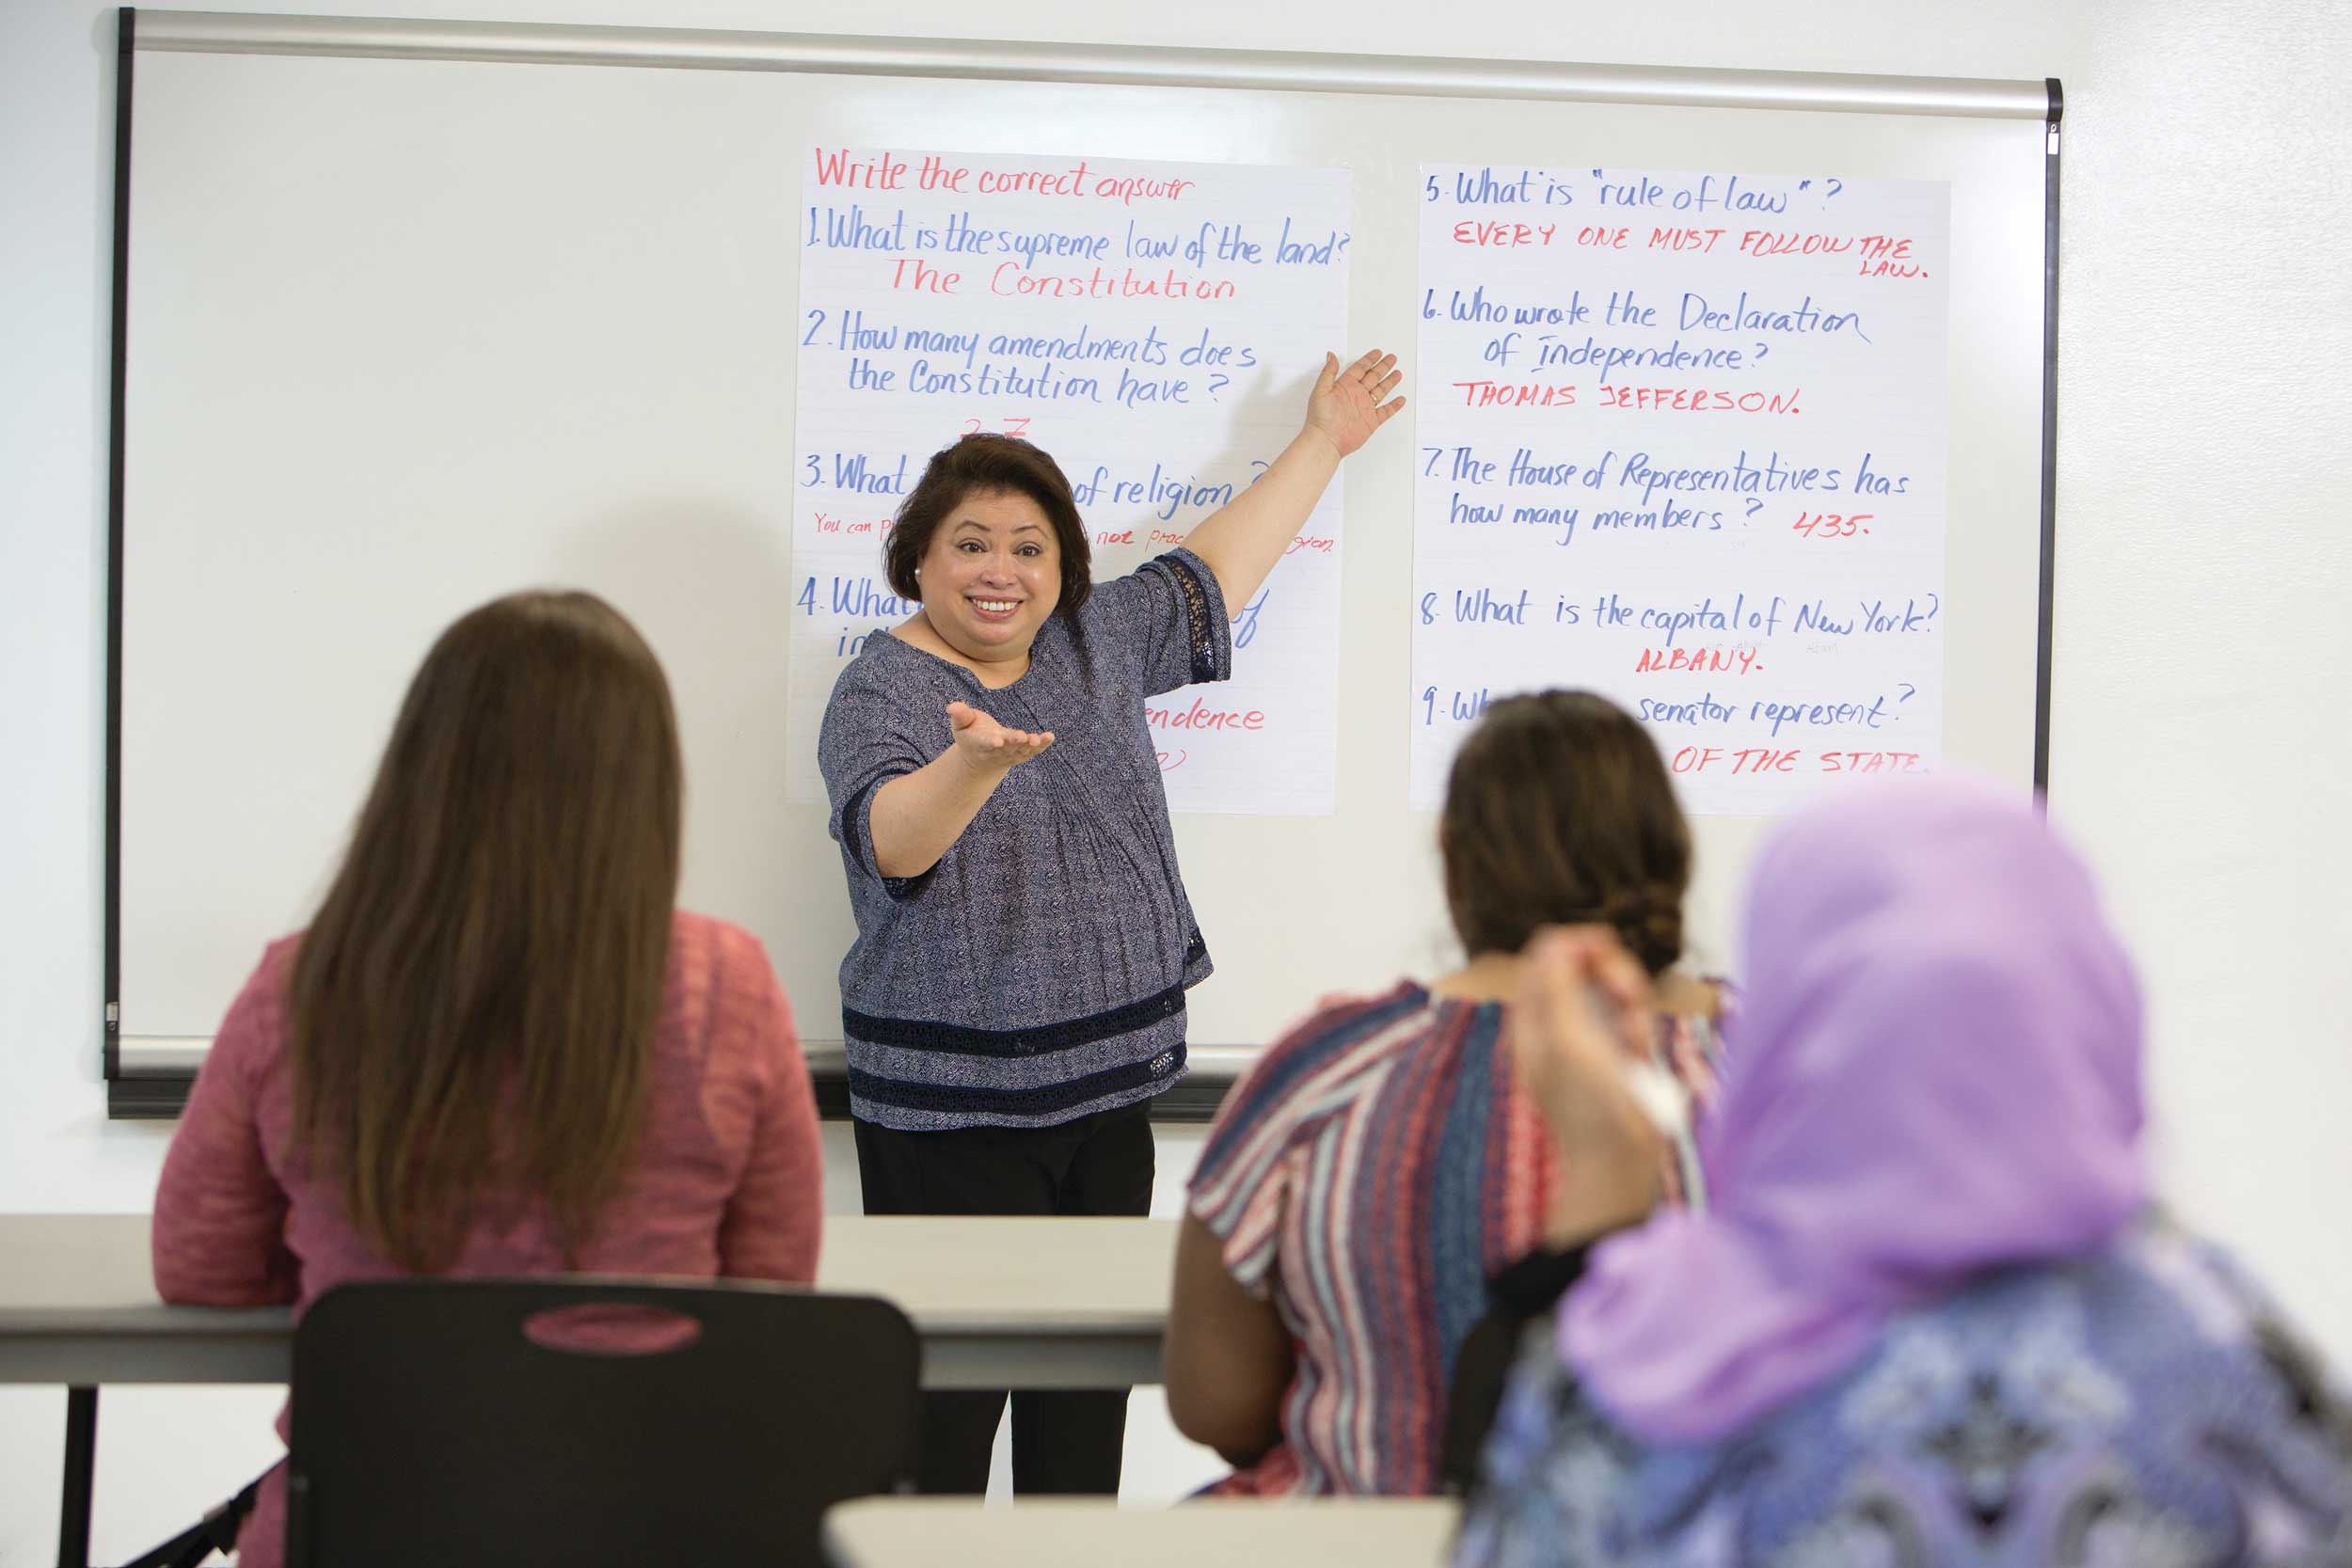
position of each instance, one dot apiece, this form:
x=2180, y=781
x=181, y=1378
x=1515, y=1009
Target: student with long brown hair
x=499, y=1049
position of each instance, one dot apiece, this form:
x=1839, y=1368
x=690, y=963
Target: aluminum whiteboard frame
x=149, y=1076
x=1122, y=64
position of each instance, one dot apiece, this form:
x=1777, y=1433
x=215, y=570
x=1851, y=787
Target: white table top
x=999, y=1303
x=948, y=1532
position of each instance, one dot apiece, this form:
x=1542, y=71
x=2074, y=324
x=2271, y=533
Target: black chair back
x=582, y=1422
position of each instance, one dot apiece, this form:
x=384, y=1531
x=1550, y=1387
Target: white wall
x=2205, y=623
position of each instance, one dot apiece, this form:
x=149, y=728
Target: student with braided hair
x=1378, y=1166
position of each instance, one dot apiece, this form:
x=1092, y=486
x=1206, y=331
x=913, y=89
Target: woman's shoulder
x=2136, y=1365
x=892, y=664
x=260, y=1019
x=2152, y=1291
x=2136, y=1354
x=2117, y=1326
x=878, y=694
x=712, y=942
x=1339, y=1036
x=882, y=663
x=2197, y=1293
x=1356, y=1019
x=276, y=968
x=1321, y=1068
x=1152, y=590
x=720, y=989
x=705, y=948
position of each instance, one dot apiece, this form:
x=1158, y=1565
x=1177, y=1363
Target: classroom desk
x=999, y=1303
x=951, y=1533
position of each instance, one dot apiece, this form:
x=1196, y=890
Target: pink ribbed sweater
x=727, y=1180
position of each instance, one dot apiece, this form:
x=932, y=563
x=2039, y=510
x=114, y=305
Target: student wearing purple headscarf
x=1927, y=1318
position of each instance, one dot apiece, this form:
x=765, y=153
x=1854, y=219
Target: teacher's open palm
x=984, y=743
x=1347, y=405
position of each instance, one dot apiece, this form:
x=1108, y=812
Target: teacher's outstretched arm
x=1242, y=540
x=918, y=814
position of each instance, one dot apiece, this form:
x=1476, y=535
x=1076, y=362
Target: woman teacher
x=1015, y=996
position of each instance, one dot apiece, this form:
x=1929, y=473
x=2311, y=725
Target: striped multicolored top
x=1369, y=1172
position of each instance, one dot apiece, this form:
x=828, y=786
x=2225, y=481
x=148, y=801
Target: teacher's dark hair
x=473, y=1009
x=980, y=465
x=1559, y=812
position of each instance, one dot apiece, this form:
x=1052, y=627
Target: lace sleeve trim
x=1200, y=617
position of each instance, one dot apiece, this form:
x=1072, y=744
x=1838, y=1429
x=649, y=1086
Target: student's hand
x=1585, y=1012
x=987, y=746
x=1346, y=405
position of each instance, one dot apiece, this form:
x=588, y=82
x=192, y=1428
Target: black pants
x=1062, y=1441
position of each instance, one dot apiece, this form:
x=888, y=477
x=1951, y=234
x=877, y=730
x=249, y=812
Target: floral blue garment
x=2138, y=1409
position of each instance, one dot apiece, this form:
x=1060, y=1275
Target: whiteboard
x=405, y=334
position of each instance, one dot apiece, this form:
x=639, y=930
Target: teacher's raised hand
x=1242, y=541
x=1347, y=405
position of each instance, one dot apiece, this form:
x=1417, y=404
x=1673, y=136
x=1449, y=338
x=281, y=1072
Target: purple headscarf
x=1935, y=1071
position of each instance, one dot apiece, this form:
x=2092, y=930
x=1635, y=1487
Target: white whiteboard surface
x=407, y=334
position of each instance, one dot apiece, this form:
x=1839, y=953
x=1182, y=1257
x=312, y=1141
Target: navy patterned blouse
x=1037, y=971
x=2138, y=1409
